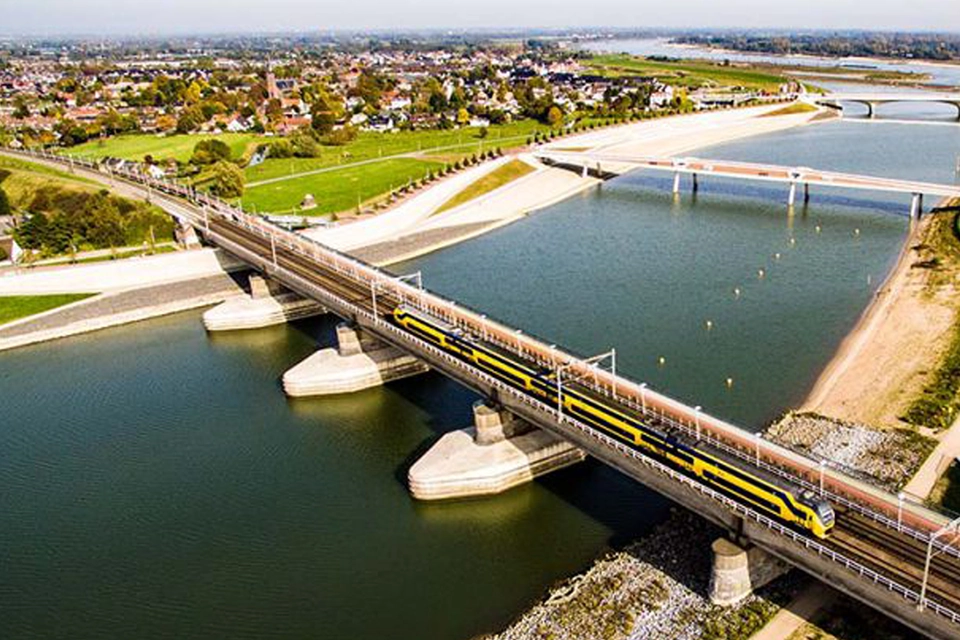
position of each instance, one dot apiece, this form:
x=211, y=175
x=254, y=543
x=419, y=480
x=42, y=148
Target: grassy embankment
x=23, y=180
x=796, y=107
x=16, y=307
x=494, y=180
x=38, y=188
x=690, y=74
x=939, y=404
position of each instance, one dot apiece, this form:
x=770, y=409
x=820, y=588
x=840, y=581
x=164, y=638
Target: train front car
x=756, y=489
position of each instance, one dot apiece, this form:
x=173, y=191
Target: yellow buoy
x=709, y=324
x=661, y=361
x=761, y=273
x=729, y=382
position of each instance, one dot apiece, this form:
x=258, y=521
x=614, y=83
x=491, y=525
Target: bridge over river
x=606, y=165
x=902, y=559
x=872, y=100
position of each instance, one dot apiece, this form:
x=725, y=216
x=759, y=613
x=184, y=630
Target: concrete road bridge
x=896, y=556
x=606, y=165
x=871, y=100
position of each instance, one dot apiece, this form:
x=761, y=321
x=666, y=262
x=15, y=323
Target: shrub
x=210, y=151
x=227, y=180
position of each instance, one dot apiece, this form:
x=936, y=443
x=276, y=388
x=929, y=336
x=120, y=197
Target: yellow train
x=798, y=510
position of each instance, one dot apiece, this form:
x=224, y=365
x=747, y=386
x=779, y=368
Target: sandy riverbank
x=885, y=361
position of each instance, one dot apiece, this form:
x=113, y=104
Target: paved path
x=936, y=463
x=793, y=616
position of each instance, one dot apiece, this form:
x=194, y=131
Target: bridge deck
x=876, y=552
x=619, y=163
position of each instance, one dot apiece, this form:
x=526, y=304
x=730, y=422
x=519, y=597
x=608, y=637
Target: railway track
x=866, y=541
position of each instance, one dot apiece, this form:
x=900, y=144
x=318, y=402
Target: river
x=157, y=483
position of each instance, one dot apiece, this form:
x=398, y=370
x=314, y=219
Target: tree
x=190, y=120
x=4, y=203
x=325, y=111
x=210, y=151
x=227, y=180
x=341, y=136
x=554, y=116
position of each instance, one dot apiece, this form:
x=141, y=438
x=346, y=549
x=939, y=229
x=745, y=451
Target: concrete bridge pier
x=806, y=192
x=737, y=571
x=676, y=182
x=268, y=304
x=499, y=452
x=696, y=183
x=792, y=197
x=583, y=171
x=359, y=362
x=916, y=207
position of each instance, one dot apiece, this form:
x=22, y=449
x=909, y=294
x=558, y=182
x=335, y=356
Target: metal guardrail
x=450, y=311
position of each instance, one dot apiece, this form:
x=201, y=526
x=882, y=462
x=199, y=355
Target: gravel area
x=655, y=588
x=886, y=457
x=409, y=246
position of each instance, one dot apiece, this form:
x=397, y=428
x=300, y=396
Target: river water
x=157, y=483
x=946, y=75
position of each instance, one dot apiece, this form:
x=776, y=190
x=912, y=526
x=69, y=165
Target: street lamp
x=696, y=418
x=643, y=396
x=758, y=436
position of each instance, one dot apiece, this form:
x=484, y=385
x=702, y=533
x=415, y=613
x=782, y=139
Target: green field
x=178, y=147
x=493, y=180
x=16, y=307
x=339, y=190
x=372, y=145
x=688, y=73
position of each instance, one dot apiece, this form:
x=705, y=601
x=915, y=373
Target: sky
x=160, y=17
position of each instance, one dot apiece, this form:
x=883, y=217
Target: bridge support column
x=676, y=182
x=583, y=171
x=499, y=452
x=696, y=183
x=360, y=362
x=268, y=304
x=186, y=235
x=806, y=192
x=916, y=207
x=737, y=571
x=792, y=197
x=871, y=110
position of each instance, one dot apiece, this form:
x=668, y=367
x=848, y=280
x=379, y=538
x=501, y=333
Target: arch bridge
x=871, y=100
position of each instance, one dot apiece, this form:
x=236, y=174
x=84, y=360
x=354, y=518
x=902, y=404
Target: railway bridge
x=897, y=557
x=607, y=165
